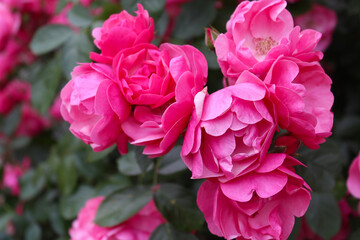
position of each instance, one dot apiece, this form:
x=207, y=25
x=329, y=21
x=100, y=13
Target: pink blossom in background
x=9, y=57
x=233, y=209
x=12, y=173
x=173, y=7
x=31, y=122
x=90, y=101
x=161, y=85
x=138, y=227
x=258, y=33
x=15, y=92
x=230, y=130
x=9, y=22
x=122, y=31
x=302, y=98
x=321, y=19
x=353, y=181
x=33, y=6
x=54, y=110
x=292, y=1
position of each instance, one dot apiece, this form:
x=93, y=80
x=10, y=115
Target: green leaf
x=79, y=16
x=20, y=142
x=142, y=160
x=49, y=37
x=96, y=156
x=194, y=17
x=70, y=206
x=45, y=85
x=355, y=235
x=122, y=205
x=152, y=6
x=67, y=175
x=167, y=232
x=113, y=184
x=178, y=206
x=172, y=162
x=33, y=232
x=56, y=221
x=75, y=51
x=11, y=121
x=323, y=215
x=32, y=183
x=127, y=164
x=324, y=165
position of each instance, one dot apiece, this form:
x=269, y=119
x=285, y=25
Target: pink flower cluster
x=272, y=80
x=134, y=91
x=138, y=227
x=12, y=173
x=353, y=181
x=137, y=92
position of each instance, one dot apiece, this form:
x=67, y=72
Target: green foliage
x=323, y=215
x=122, y=205
x=167, y=232
x=177, y=204
x=79, y=16
x=49, y=38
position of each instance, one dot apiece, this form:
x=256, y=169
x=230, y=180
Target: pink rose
x=12, y=173
x=10, y=24
x=31, y=122
x=14, y=92
x=228, y=132
x=90, y=101
x=353, y=181
x=138, y=227
x=261, y=31
x=9, y=57
x=122, y=31
x=54, y=110
x=321, y=19
x=302, y=98
x=258, y=205
x=161, y=85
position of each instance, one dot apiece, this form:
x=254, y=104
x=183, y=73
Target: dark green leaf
x=127, y=164
x=45, y=85
x=32, y=183
x=49, y=37
x=70, y=206
x=20, y=142
x=67, y=174
x=172, y=162
x=122, y=205
x=178, y=206
x=33, y=232
x=194, y=17
x=79, y=16
x=57, y=223
x=323, y=215
x=11, y=121
x=113, y=184
x=75, y=51
x=142, y=160
x=355, y=235
x=167, y=232
x=96, y=156
x=152, y=6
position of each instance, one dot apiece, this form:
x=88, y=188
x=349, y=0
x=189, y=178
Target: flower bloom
x=12, y=173
x=122, y=31
x=258, y=32
x=54, y=110
x=9, y=22
x=321, y=19
x=161, y=85
x=138, y=227
x=353, y=181
x=301, y=93
x=90, y=101
x=31, y=122
x=228, y=132
x=14, y=92
x=258, y=205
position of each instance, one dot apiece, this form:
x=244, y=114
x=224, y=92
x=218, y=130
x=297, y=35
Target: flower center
x=263, y=45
